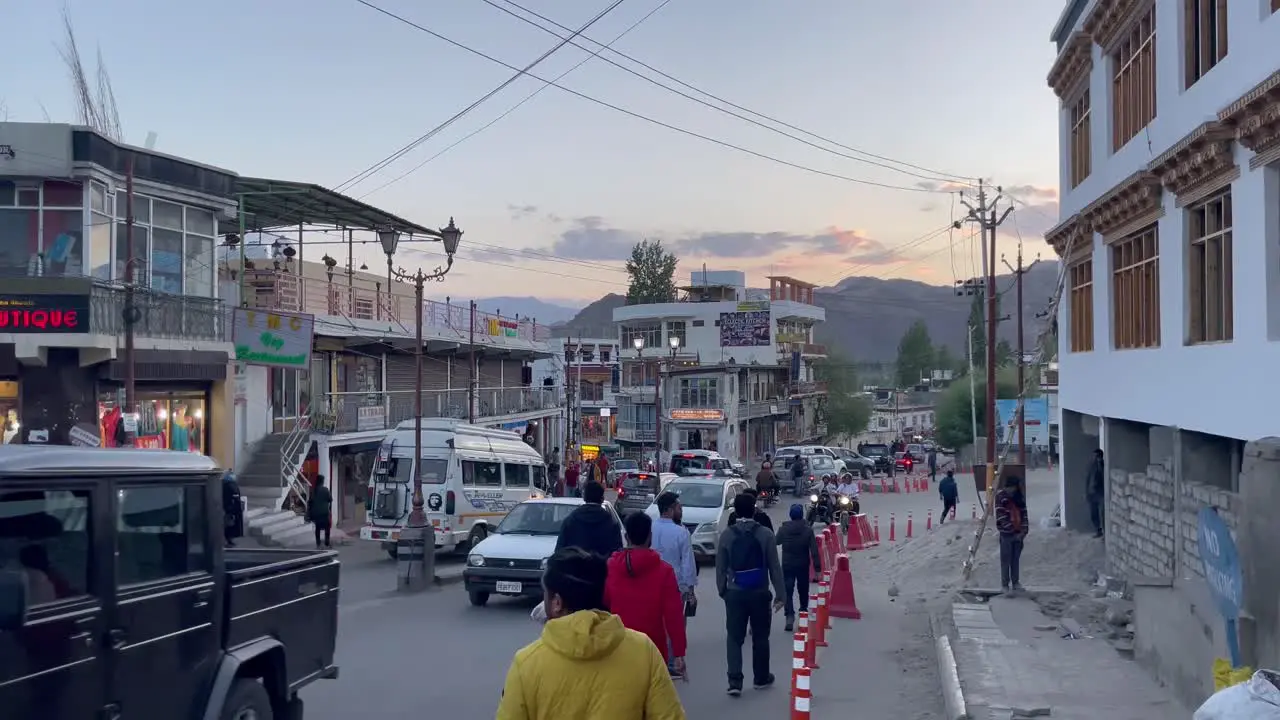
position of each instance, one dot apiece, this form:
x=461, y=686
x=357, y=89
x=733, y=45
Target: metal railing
x=293, y=454
x=761, y=408
x=160, y=315
x=633, y=434
x=807, y=388
x=364, y=411
x=282, y=290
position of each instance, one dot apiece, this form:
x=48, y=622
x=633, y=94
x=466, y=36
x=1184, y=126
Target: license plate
x=509, y=587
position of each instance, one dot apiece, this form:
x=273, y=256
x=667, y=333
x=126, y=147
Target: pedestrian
x=797, y=475
x=1011, y=521
x=949, y=491
x=746, y=568
x=1096, y=490
x=799, y=553
x=643, y=592
x=590, y=526
x=232, y=509
x=758, y=513
x=553, y=470
x=571, y=480
x=671, y=541
x=602, y=470
x=320, y=510
x=586, y=664
x=933, y=465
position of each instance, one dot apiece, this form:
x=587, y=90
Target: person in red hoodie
x=641, y=590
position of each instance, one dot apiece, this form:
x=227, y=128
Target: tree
x=653, y=274
x=944, y=360
x=1004, y=354
x=978, y=330
x=952, y=415
x=848, y=410
x=915, y=355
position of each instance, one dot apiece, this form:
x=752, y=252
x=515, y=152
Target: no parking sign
x=1222, y=572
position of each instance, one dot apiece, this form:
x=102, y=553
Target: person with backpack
x=799, y=553
x=747, y=568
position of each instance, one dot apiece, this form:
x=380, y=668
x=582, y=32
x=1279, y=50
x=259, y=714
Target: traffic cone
x=842, y=603
x=817, y=628
x=928, y=521
x=800, y=698
x=824, y=591
x=908, y=525
x=893, y=529
x=831, y=544
x=822, y=551
x=797, y=656
x=810, y=648
x=860, y=536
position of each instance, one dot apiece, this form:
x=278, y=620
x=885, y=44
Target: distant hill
x=594, y=320
x=544, y=312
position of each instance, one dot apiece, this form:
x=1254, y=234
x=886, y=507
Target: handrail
x=377, y=410
x=292, y=456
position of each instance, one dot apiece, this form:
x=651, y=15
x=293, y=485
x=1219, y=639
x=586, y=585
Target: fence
x=354, y=412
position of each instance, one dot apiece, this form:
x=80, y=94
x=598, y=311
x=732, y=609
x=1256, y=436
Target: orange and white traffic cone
x=908, y=525
x=973, y=515
x=800, y=698
x=876, y=518
x=817, y=628
x=928, y=521
x=824, y=591
x=797, y=657
x=810, y=648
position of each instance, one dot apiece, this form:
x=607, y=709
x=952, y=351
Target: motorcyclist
x=848, y=487
x=765, y=482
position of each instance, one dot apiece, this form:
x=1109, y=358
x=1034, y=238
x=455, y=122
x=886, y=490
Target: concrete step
x=255, y=492
x=271, y=517
x=308, y=538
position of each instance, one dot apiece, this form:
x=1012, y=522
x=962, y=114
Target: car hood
x=698, y=516
x=516, y=547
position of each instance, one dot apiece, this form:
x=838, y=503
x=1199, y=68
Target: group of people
x=577, y=474
x=319, y=510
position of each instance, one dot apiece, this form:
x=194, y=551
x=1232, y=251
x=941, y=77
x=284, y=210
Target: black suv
x=880, y=454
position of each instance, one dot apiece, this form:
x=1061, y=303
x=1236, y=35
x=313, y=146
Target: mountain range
x=866, y=316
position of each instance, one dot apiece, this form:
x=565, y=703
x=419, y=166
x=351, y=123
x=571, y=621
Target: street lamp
x=638, y=343
x=329, y=265
x=674, y=342
x=417, y=531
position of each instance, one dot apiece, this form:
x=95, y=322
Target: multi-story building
x=1161, y=308
x=586, y=372
x=901, y=413
x=705, y=343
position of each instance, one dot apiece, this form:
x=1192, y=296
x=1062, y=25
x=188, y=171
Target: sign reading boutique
x=277, y=339
x=41, y=314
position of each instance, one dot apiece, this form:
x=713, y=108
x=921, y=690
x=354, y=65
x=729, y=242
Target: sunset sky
x=553, y=195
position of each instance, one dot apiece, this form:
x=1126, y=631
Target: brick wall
x=1140, y=523
x=1193, y=497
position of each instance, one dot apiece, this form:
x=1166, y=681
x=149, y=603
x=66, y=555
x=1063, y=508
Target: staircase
x=270, y=516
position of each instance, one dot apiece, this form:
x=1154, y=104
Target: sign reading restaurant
x=276, y=339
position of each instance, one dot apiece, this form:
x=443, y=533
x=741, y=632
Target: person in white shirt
x=848, y=487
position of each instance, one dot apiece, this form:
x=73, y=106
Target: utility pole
x=985, y=215
x=973, y=390
x=471, y=377
x=130, y=313
x=577, y=392
x=1022, y=364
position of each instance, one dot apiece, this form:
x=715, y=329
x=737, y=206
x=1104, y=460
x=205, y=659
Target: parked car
x=133, y=605
x=855, y=463
x=698, y=462
x=620, y=468
x=706, y=504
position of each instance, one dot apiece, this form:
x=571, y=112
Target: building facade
x=901, y=414
x=761, y=338
x=586, y=371
x=1170, y=149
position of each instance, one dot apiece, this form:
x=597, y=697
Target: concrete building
x=901, y=413
x=1170, y=141
x=585, y=371
x=720, y=325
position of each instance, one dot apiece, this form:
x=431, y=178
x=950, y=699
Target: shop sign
x=697, y=414
x=746, y=329
x=371, y=417
x=276, y=339
x=44, y=314
x=84, y=438
x=753, y=305
x=503, y=328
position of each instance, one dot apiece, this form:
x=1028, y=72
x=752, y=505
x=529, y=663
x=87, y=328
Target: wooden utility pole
x=472, y=372
x=130, y=314
x=1018, y=272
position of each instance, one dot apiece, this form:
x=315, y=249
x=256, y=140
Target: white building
x=900, y=413
x=585, y=371
x=721, y=325
x=1170, y=141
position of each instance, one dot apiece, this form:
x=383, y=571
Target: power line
x=519, y=72
x=645, y=118
x=515, y=107
x=934, y=175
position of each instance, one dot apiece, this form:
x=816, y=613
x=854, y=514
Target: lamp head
x=451, y=236
x=390, y=239
x=638, y=343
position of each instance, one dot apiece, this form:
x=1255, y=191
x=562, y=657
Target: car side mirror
x=13, y=600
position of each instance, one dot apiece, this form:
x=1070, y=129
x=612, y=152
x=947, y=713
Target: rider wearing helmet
x=765, y=481
x=848, y=487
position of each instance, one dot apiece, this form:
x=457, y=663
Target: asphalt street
x=434, y=655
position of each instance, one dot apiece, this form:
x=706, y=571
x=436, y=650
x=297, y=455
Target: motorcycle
x=769, y=496
x=820, y=507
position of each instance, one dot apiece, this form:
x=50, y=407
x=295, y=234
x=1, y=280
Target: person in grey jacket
x=799, y=553
x=747, y=568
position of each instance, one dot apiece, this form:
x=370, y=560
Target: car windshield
x=538, y=518
x=626, y=465
x=698, y=495
x=680, y=463
x=821, y=463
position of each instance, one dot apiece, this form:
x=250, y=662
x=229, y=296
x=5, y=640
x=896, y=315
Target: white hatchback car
x=511, y=560
x=706, y=503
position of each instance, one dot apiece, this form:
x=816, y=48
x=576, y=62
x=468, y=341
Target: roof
x=64, y=459
x=792, y=281
x=277, y=204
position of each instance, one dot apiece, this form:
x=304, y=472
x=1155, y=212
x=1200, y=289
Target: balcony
x=281, y=290
x=807, y=388
x=160, y=315
x=632, y=434
x=806, y=349
x=362, y=412
x=763, y=408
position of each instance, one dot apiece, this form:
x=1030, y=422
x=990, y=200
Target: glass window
x=483, y=474
x=98, y=197
x=166, y=260
x=517, y=476
x=63, y=194
x=100, y=246
x=140, y=253
x=63, y=244
x=8, y=193
x=19, y=241
x=29, y=197
x=434, y=470
x=199, y=265
x=46, y=535
x=540, y=477
x=200, y=222
x=161, y=533
x=535, y=518
x=167, y=420
x=166, y=215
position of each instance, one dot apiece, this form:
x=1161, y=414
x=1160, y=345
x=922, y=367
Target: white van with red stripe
x=471, y=478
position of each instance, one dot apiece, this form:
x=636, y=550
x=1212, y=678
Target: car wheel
x=479, y=598
x=477, y=536
x=248, y=700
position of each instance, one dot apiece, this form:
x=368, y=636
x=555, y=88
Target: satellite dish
x=150, y=144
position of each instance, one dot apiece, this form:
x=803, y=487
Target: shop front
x=697, y=429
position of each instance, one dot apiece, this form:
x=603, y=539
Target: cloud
x=1032, y=193
x=943, y=187
x=520, y=212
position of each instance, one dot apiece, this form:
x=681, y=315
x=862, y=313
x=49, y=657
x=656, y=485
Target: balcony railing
x=160, y=315
x=632, y=434
x=357, y=412
x=759, y=409
x=280, y=290
x=786, y=348
x=807, y=388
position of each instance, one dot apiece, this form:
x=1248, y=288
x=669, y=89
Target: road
x=433, y=655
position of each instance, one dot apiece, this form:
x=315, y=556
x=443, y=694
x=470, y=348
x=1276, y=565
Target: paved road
x=433, y=655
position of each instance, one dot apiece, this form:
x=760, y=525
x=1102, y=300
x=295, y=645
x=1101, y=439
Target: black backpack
x=746, y=558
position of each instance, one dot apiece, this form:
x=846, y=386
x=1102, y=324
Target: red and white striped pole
x=810, y=648
x=797, y=657
x=800, y=698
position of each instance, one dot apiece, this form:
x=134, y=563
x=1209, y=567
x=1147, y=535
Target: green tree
x=915, y=355
x=952, y=414
x=978, y=328
x=848, y=411
x=1004, y=354
x=944, y=360
x=653, y=274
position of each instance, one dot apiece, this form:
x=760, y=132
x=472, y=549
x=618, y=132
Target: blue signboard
x=1222, y=573
x=1035, y=419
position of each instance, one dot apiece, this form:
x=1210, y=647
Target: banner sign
x=1035, y=419
x=272, y=338
x=44, y=314
x=745, y=329
x=503, y=328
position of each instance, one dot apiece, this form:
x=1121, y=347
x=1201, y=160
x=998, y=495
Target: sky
x=553, y=195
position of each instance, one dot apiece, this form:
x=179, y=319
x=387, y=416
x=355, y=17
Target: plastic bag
x=1256, y=699
x=539, y=613
x=1224, y=676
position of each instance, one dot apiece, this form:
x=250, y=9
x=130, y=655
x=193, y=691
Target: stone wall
x=1140, y=523
x=1193, y=497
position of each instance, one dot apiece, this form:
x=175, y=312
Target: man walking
x=933, y=465
x=320, y=510
x=553, y=473
x=671, y=541
x=746, y=568
x=1011, y=521
x=232, y=509
x=1096, y=489
x=590, y=526
x=799, y=553
x=950, y=494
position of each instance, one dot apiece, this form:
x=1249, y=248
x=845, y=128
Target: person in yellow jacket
x=586, y=665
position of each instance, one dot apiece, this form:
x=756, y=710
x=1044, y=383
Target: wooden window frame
x=1080, y=280
x=1133, y=79
x=1210, y=274
x=1205, y=37
x=1135, y=290
x=1081, y=142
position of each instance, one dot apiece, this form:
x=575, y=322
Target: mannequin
x=179, y=432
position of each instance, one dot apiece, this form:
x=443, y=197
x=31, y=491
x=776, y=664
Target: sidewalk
x=1011, y=656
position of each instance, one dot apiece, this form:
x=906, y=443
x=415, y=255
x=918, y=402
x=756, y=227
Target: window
x=1210, y=290
x=166, y=259
x=161, y=533
x=1081, y=280
x=517, y=475
x=141, y=236
x=699, y=393
x=675, y=328
x=1135, y=290
x=1206, y=36
x=540, y=477
x=639, y=374
x=650, y=334
x=1133, y=85
x=46, y=535
x=100, y=252
x=591, y=391
x=1081, y=145
x=482, y=474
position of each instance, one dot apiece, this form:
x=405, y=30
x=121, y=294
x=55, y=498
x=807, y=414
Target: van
x=471, y=478
x=698, y=462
